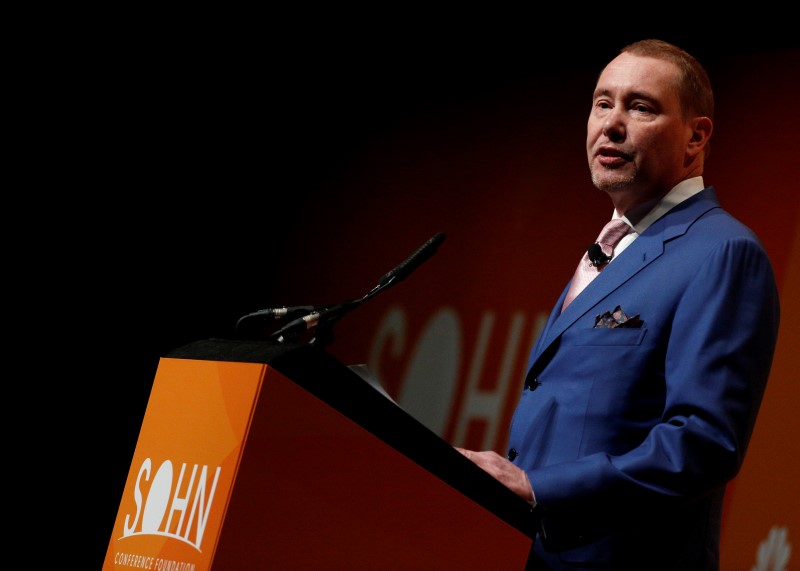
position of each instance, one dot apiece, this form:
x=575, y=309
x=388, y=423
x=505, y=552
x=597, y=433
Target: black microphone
x=412, y=262
x=597, y=256
x=307, y=322
x=327, y=315
x=282, y=312
x=277, y=313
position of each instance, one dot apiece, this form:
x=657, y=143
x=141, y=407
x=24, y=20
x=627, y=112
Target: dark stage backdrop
x=301, y=177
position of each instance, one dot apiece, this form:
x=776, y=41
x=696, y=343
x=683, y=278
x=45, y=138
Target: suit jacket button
x=511, y=454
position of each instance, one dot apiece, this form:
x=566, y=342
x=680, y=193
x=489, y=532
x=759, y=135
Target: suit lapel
x=645, y=250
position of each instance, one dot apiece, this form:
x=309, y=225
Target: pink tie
x=609, y=237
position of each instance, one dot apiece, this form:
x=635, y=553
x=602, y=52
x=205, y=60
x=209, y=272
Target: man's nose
x=614, y=127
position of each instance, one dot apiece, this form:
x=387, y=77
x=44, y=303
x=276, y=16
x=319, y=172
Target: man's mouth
x=611, y=158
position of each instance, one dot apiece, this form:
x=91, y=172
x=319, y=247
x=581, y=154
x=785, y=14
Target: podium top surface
x=215, y=349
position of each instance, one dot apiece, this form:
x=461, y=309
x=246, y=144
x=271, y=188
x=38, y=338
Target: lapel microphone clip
x=596, y=255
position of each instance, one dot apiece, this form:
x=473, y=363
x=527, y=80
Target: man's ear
x=701, y=134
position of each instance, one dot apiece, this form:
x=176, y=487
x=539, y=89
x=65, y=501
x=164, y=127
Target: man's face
x=636, y=137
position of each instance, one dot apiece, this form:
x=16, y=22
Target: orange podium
x=257, y=455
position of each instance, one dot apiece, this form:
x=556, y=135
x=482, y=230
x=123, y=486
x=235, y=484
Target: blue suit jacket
x=629, y=435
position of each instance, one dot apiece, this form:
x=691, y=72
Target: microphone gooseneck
x=325, y=316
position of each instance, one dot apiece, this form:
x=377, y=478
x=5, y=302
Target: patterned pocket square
x=617, y=318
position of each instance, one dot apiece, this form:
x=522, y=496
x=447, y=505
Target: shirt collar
x=680, y=192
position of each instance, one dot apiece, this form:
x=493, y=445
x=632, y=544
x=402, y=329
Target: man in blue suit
x=643, y=390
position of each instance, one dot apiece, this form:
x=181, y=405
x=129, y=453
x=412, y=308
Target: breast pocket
x=608, y=337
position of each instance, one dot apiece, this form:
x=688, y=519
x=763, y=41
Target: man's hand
x=502, y=470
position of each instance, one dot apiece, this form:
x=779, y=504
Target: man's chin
x=612, y=183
